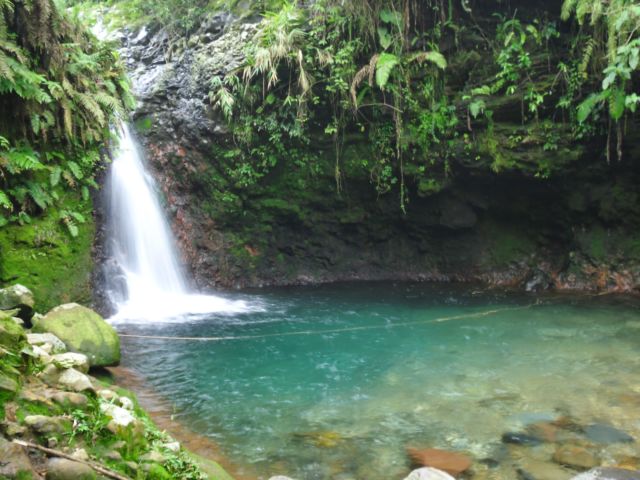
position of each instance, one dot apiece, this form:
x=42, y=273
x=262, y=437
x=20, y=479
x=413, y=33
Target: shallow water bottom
x=335, y=382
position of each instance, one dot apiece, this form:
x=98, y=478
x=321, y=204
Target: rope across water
x=336, y=330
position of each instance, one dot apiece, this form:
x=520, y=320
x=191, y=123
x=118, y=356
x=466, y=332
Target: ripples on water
x=346, y=402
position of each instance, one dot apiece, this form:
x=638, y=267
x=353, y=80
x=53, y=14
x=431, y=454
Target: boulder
x=72, y=379
x=454, y=463
x=17, y=296
x=607, y=473
x=78, y=361
x=14, y=462
x=47, y=341
x=429, y=473
x=83, y=331
x=63, y=469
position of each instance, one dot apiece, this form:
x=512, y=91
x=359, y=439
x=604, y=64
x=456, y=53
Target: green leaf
x=384, y=66
x=391, y=17
x=385, y=39
x=587, y=106
x=617, y=103
x=54, y=176
x=5, y=201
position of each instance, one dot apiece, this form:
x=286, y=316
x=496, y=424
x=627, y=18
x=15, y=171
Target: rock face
x=512, y=230
x=83, y=331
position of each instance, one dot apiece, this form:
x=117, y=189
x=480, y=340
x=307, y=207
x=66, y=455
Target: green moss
x=56, y=266
x=506, y=244
x=144, y=124
x=593, y=243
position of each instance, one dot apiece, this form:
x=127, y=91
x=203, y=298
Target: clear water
x=391, y=365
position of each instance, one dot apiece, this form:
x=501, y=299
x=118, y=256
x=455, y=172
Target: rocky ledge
x=59, y=421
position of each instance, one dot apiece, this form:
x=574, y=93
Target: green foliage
x=63, y=88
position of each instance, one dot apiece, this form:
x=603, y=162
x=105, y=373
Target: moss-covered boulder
x=83, y=331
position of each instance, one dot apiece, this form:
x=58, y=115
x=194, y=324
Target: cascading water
x=145, y=280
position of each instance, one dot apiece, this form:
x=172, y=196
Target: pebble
x=519, y=438
x=429, y=473
x=608, y=474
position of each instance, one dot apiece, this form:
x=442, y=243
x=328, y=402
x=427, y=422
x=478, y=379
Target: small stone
x=45, y=425
x=518, y=438
x=63, y=469
x=153, y=457
x=119, y=445
x=42, y=354
x=126, y=403
x=13, y=460
x=133, y=466
x=172, y=446
x=454, y=463
x=12, y=429
x=280, y=477
x=70, y=398
x=74, y=380
x=600, y=433
x=575, y=456
x=545, y=431
x=8, y=384
x=429, y=473
x=108, y=395
x=120, y=417
x=47, y=341
x=52, y=442
x=50, y=375
x=71, y=360
x=80, y=454
x=542, y=470
x=608, y=473
x=17, y=296
x=113, y=455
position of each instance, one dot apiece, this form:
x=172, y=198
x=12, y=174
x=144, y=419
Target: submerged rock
x=608, y=473
x=83, y=331
x=519, y=438
x=453, y=463
x=429, y=473
x=575, y=456
x=63, y=469
x=601, y=433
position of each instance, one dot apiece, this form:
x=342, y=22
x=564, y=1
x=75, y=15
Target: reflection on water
x=346, y=402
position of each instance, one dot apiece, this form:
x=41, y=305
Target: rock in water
x=518, y=438
x=608, y=474
x=575, y=456
x=83, y=331
x=429, y=473
x=63, y=469
x=17, y=296
x=453, y=463
x=601, y=433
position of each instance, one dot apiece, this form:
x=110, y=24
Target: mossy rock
x=11, y=334
x=83, y=331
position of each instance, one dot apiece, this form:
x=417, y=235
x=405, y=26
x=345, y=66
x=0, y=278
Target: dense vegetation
x=379, y=69
x=64, y=89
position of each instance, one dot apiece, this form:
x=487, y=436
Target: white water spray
x=145, y=280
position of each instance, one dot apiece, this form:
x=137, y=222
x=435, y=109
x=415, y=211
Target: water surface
x=336, y=381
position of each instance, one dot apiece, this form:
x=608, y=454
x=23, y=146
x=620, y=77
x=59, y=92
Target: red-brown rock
x=454, y=463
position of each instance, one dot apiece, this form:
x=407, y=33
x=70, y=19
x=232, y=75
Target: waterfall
x=145, y=280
